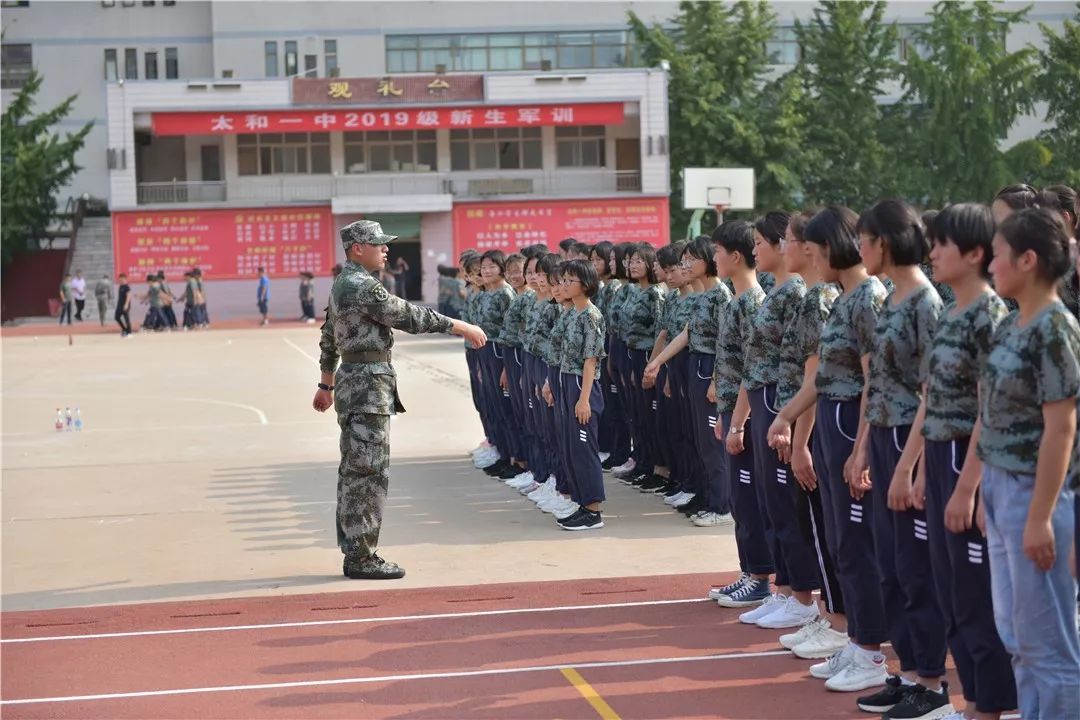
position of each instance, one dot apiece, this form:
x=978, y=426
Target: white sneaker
x=807, y=631
x=484, y=445
x=822, y=644
x=604, y=456
x=522, y=480
x=865, y=671
x=625, y=469
x=774, y=603
x=544, y=491
x=792, y=614
x=715, y=593
x=680, y=499
x=552, y=503
x=529, y=488
x=707, y=518
x=566, y=510
x=835, y=664
x=487, y=458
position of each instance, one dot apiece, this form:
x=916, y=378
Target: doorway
x=210, y=157
x=628, y=164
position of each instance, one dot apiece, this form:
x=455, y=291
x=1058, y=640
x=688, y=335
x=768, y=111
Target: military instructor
x=359, y=330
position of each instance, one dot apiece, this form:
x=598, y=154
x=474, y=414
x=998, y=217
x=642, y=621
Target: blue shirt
x=264, y=288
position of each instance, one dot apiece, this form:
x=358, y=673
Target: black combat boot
x=371, y=568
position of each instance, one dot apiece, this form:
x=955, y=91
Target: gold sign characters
x=438, y=86
x=386, y=88
x=339, y=90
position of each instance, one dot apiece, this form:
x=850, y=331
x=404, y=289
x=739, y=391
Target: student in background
x=66, y=299
x=263, y=295
x=307, y=297
x=103, y=293
x=123, y=306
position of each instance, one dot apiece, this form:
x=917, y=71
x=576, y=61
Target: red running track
x=648, y=647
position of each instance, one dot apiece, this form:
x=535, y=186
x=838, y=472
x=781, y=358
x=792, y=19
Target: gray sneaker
x=371, y=568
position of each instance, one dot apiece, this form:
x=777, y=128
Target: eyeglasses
x=569, y=281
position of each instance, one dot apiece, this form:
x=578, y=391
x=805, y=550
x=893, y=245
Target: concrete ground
x=202, y=471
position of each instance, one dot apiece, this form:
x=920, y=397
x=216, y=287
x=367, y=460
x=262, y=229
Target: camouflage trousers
x=363, y=479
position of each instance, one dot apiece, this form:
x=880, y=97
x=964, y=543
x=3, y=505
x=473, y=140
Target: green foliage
x=848, y=52
x=37, y=162
x=725, y=109
x=1059, y=85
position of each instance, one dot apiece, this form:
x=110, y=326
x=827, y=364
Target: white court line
x=390, y=678
x=300, y=350
x=350, y=621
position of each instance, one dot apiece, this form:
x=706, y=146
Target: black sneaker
x=511, y=471
x=672, y=490
x=583, y=520
x=921, y=702
x=638, y=480
x=695, y=505
x=886, y=698
x=654, y=484
x=612, y=463
x=497, y=469
x=371, y=568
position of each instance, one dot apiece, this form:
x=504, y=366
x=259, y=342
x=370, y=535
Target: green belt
x=371, y=356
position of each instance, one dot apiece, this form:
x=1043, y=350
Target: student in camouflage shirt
x=1028, y=409
x=619, y=408
x=363, y=390
x=470, y=267
x=510, y=342
x=600, y=257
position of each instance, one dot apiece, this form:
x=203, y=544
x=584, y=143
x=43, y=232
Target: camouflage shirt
x=1028, y=367
x=732, y=346
x=190, y=287
x=641, y=317
x=847, y=336
x=801, y=338
x=514, y=322
x=676, y=311
x=553, y=350
x=539, y=329
x=961, y=345
x=491, y=310
x=602, y=299
x=778, y=311
x=361, y=318
x=582, y=338
x=705, y=312
x=472, y=300
x=618, y=300
x=898, y=366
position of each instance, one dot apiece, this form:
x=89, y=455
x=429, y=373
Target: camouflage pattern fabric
x=707, y=308
x=363, y=480
x=603, y=297
x=364, y=232
x=1027, y=368
x=189, y=291
x=731, y=346
x=491, y=309
x=154, y=291
x=472, y=299
x=767, y=281
x=514, y=321
x=1069, y=291
x=618, y=299
x=943, y=290
x=539, y=329
x=847, y=336
x=641, y=317
x=961, y=346
x=802, y=337
x=679, y=316
x=778, y=311
x=553, y=349
x=899, y=364
x=583, y=338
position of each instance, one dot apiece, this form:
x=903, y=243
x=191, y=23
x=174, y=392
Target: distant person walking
x=307, y=297
x=202, y=316
x=103, y=293
x=401, y=276
x=264, y=296
x=66, y=299
x=167, y=299
x=123, y=306
x=78, y=290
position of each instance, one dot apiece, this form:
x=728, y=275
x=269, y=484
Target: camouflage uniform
x=768, y=326
x=703, y=322
x=732, y=346
x=1027, y=368
x=847, y=336
x=583, y=335
x=961, y=345
x=640, y=317
x=513, y=328
x=802, y=337
x=899, y=364
x=360, y=319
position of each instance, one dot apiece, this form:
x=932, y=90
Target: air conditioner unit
x=440, y=69
x=226, y=73
x=545, y=65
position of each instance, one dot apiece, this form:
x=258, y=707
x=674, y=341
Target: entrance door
x=210, y=156
x=628, y=164
x=407, y=272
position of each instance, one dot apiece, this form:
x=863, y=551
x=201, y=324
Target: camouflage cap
x=364, y=232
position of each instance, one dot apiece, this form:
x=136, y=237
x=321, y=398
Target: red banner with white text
x=225, y=244
x=334, y=120
x=512, y=225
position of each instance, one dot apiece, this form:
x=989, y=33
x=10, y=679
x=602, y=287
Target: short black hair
x=737, y=236
x=585, y=272
x=602, y=250
x=927, y=219
x=669, y=255
x=497, y=257
x=834, y=228
x=534, y=250
x=772, y=226
x=566, y=243
x=968, y=226
x=150, y=277
x=1018, y=196
x=581, y=248
x=1062, y=199
x=548, y=264
x=467, y=255
x=261, y=270
x=515, y=257
x=1043, y=232
x=702, y=249
x=797, y=223
x=895, y=223
x=648, y=255
x=123, y=275
x=621, y=252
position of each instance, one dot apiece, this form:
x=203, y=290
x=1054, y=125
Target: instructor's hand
x=324, y=400
x=474, y=335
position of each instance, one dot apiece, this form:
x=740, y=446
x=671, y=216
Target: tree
x=848, y=56
x=37, y=162
x=1059, y=85
x=965, y=90
x=724, y=109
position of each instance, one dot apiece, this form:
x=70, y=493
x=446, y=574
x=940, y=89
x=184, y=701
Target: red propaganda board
x=512, y=225
x=480, y=116
x=225, y=244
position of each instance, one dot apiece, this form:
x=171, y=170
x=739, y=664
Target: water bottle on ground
x=68, y=420
x=59, y=420
x=78, y=420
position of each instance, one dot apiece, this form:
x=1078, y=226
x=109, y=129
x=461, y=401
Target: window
x=270, y=54
x=504, y=149
x=784, y=47
x=128, y=3
x=108, y=3
x=150, y=60
x=283, y=154
x=111, y=72
x=511, y=51
x=16, y=65
x=390, y=151
x=290, y=58
x=311, y=66
x=580, y=146
x=169, y=3
x=172, y=64
x=330, y=58
x=148, y=3
x=14, y=3
x=908, y=43
x=131, y=64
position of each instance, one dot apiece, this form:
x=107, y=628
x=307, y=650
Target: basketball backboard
x=705, y=188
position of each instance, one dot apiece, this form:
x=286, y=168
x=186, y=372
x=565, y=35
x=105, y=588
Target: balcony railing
x=462, y=185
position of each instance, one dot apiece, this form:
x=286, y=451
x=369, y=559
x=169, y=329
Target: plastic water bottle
x=78, y=420
x=68, y=419
x=59, y=420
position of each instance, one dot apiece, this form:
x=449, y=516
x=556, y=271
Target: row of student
x=159, y=299
x=855, y=428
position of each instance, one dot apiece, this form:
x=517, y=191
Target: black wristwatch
x=324, y=386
